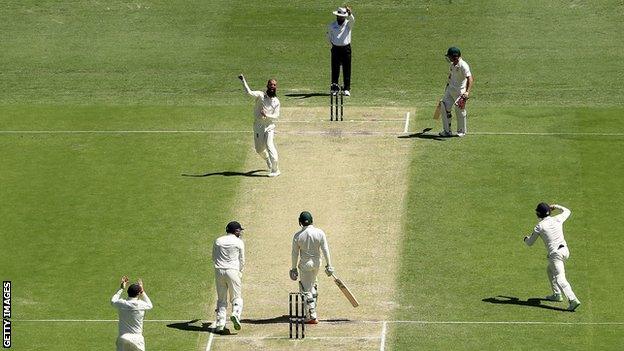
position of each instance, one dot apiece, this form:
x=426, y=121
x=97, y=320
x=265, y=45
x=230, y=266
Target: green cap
x=453, y=51
x=305, y=218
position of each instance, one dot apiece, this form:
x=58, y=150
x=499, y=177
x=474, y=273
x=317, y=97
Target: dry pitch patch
x=354, y=184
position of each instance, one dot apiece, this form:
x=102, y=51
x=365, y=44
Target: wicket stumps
x=335, y=93
x=296, y=315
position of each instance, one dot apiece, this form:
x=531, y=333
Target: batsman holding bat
x=307, y=245
x=266, y=113
x=460, y=82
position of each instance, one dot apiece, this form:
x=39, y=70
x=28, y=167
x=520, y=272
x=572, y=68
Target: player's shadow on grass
x=424, y=135
x=530, y=302
x=305, y=95
x=192, y=326
x=229, y=174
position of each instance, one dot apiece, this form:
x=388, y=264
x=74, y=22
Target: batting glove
x=293, y=274
x=462, y=102
x=329, y=270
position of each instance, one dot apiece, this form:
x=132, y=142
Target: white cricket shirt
x=550, y=229
x=340, y=35
x=131, y=312
x=458, y=76
x=270, y=106
x=307, y=245
x=228, y=252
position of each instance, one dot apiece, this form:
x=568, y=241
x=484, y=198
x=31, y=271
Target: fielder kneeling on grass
x=131, y=314
x=550, y=229
x=307, y=245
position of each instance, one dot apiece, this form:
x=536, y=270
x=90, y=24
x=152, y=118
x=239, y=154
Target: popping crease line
x=310, y=132
x=349, y=322
x=382, y=343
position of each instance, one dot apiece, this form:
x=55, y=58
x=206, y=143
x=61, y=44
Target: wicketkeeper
x=307, y=245
x=550, y=229
x=460, y=82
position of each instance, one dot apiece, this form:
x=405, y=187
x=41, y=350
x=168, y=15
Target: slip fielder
x=266, y=113
x=550, y=229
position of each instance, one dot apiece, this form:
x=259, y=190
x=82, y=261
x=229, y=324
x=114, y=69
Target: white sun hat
x=341, y=12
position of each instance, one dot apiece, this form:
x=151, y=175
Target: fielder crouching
x=307, y=245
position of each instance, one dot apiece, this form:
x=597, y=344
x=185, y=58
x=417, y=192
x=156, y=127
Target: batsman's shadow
x=229, y=174
x=530, y=302
x=424, y=135
x=192, y=325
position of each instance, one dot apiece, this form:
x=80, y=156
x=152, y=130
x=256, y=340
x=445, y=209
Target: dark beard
x=271, y=93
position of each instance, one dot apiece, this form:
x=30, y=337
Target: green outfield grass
x=81, y=209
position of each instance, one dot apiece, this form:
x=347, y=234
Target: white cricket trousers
x=449, y=101
x=308, y=288
x=556, y=273
x=265, y=146
x=228, y=280
x=130, y=342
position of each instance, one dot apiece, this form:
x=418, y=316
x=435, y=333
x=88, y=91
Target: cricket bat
x=347, y=293
x=438, y=110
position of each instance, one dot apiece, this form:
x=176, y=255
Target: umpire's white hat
x=341, y=12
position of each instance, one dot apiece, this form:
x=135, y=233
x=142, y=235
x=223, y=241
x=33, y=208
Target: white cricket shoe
x=574, y=304
x=461, y=134
x=275, y=174
x=347, y=93
x=554, y=297
x=236, y=321
x=219, y=329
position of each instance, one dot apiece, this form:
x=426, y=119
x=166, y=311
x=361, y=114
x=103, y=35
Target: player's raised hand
x=140, y=282
x=124, y=282
x=241, y=77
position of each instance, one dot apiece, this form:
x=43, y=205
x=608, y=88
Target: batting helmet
x=453, y=51
x=305, y=218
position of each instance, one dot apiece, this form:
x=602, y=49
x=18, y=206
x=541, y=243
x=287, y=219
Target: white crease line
x=210, y=339
x=95, y=320
x=501, y=322
x=244, y=338
x=548, y=134
x=278, y=131
x=346, y=121
x=347, y=322
x=384, y=328
x=407, y=118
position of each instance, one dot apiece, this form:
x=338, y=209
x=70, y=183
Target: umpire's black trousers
x=341, y=56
